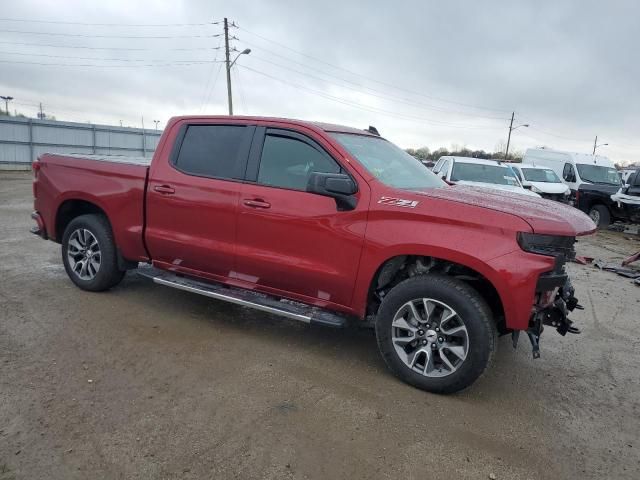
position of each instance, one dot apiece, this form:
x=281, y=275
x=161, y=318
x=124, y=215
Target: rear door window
x=217, y=151
x=288, y=160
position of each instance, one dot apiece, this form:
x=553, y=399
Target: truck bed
x=129, y=160
x=115, y=183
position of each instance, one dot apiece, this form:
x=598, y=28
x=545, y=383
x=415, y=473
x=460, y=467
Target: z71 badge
x=398, y=202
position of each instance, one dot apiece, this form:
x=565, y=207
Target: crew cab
x=323, y=224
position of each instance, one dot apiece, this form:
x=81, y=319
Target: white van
x=541, y=180
x=574, y=168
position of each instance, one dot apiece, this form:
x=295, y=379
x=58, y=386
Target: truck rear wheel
x=435, y=333
x=89, y=253
x=600, y=216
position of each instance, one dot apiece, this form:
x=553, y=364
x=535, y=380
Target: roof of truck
x=327, y=127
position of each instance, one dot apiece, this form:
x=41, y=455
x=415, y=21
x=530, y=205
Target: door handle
x=166, y=189
x=256, y=203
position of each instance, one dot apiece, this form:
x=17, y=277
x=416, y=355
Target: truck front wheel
x=600, y=216
x=435, y=333
x=89, y=253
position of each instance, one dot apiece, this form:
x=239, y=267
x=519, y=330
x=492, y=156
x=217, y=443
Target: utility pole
x=41, y=113
x=506, y=153
x=6, y=99
x=595, y=145
x=511, y=129
x=228, y=65
x=144, y=139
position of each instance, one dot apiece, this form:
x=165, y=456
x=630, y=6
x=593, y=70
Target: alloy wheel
x=430, y=337
x=83, y=253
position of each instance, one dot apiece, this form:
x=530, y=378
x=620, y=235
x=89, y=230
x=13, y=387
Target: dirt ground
x=149, y=382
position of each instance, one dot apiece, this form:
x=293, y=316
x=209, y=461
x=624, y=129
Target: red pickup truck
x=323, y=224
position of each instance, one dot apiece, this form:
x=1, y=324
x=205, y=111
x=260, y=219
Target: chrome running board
x=246, y=298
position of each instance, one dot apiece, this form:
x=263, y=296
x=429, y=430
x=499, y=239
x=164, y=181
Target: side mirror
x=339, y=186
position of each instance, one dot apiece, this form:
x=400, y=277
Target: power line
x=371, y=79
x=360, y=86
x=240, y=89
x=58, y=22
x=378, y=93
x=60, y=34
x=166, y=64
x=95, y=58
x=210, y=76
x=368, y=109
x=106, y=48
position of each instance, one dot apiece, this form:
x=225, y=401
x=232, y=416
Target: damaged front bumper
x=555, y=299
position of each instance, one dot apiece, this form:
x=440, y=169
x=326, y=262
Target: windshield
x=540, y=175
x=388, y=163
x=598, y=174
x=476, y=172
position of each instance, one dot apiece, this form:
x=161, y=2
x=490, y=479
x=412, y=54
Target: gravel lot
x=148, y=382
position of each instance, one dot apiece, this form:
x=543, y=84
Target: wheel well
x=71, y=209
x=597, y=202
x=399, y=268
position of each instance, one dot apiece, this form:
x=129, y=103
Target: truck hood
x=544, y=216
x=599, y=187
x=495, y=186
x=548, y=187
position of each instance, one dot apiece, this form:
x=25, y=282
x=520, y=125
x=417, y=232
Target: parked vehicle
x=480, y=173
x=625, y=173
x=591, y=178
x=427, y=163
x=628, y=197
x=541, y=180
x=322, y=224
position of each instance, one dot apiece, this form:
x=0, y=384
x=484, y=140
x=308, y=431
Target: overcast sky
x=425, y=73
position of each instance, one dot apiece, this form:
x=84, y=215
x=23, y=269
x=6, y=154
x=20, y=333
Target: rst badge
x=398, y=202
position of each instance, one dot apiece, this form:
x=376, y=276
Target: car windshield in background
x=388, y=163
x=540, y=175
x=598, y=174
x=476, y=172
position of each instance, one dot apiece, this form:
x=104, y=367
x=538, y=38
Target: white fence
x=22, y=140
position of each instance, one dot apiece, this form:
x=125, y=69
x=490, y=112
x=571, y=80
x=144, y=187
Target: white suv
x=481, y=173
x=542, y=180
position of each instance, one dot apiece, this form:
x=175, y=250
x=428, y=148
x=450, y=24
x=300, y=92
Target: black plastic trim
x=549, y=281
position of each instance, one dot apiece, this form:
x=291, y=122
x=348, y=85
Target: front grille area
x=558, y=197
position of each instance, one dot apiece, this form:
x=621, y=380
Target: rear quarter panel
x=116, y=188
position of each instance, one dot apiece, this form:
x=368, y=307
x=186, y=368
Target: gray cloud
x=423, y=68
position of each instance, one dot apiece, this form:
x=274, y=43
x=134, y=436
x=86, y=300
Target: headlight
x=536, y=190
x=551, y=245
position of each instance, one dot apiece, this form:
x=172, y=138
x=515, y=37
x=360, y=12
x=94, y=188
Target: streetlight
x=156, y=122
x=246, y=51
x=6, y=102
x=511, y=129
x=596, y=145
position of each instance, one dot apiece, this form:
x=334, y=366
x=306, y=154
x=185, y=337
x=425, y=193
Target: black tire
x=600, y=216
x=472, y=311
x=108, y=274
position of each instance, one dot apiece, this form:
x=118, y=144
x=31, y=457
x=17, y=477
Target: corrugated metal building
x=23, y=139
